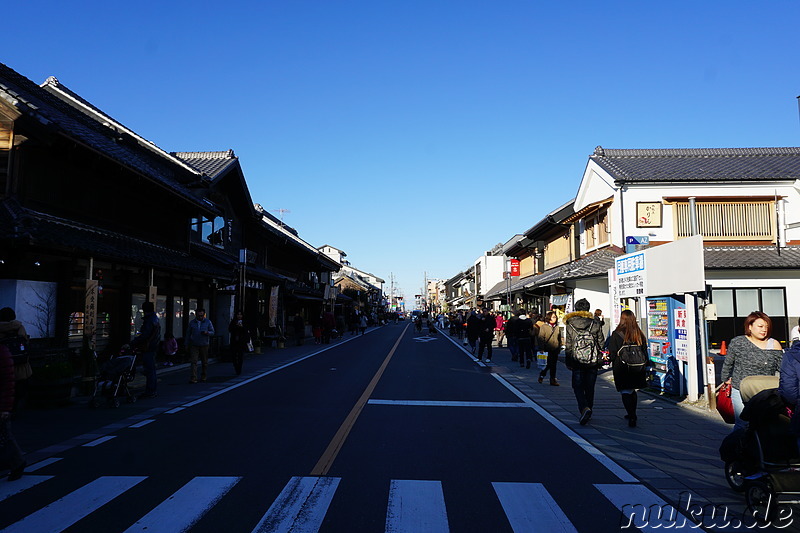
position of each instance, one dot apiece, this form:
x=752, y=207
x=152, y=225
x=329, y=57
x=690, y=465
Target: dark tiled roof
x=700, y=164
x=67, y=118
x=211, y=164
x=758, y=257
x=24, y=226
x=596, y=264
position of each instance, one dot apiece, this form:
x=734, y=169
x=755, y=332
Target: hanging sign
x=273, y=306
x=90, y=313
x=515, y=267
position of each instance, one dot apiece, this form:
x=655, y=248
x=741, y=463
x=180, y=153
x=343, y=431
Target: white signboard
x=680, y=325
x=631, y=275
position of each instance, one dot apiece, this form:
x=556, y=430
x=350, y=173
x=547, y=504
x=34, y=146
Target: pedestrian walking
x=328, y=325
x=499, y=329
x=627, y=349
x=299, y=328
x=510, y=329
x=10, y=453
x=199, y=339
x=582, y=348
x=549, y=340
x=486, y=335
x=524, y=331
x=362, y=324
x=753, y=354
x=473, y=330
x=240, y=338
x=146, y=343
x=15, y=337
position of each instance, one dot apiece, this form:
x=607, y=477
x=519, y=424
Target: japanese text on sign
x=634, y=263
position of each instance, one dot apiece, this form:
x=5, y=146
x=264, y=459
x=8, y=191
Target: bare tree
x=44, y=303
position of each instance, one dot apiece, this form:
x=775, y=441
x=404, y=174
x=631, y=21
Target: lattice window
x=735, y=220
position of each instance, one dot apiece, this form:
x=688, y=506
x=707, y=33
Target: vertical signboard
x=515, y=267
x=273, y=306
x=681, y=333
x=90, y=313
x=152, y=293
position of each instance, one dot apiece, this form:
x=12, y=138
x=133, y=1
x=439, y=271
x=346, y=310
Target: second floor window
x=213, y=231
x=729, y=220
x=596, y=229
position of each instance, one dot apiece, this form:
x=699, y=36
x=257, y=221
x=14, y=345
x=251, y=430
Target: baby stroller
x=763, y=460
x=112, y=382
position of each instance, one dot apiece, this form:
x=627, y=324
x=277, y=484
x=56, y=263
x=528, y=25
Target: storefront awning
x=559, y=299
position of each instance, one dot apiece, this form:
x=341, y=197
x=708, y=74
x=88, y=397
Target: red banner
x=515, y=267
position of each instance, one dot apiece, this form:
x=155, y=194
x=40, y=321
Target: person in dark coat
x=486, y=335
x=10, y=454
x=626, y=382
x=240, y=336
x=473, y=330
x=524, y=332
x=147, y=343
x=790, y=383
x=584, y=374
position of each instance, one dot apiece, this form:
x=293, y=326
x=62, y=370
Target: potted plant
x=281, y=338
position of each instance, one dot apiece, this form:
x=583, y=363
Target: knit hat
x=582, y=305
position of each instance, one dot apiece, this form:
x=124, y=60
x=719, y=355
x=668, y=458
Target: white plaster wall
x=34, y=303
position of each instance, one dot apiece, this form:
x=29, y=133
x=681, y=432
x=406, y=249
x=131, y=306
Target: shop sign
x=515, y=267
x=90, y=313
x=273, y=307
x=631, y=275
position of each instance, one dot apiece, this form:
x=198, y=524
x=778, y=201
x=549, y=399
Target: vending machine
x=667, y=338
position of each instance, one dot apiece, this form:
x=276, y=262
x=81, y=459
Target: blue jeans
x=583, y=380
x=738, y=405
x=149, y=364
x=513, y=347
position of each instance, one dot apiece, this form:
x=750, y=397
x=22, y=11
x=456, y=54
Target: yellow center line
x=326, y=461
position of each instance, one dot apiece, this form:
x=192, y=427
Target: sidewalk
x=674, y=449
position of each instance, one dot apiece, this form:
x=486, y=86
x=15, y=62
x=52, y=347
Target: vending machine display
x=664, y=338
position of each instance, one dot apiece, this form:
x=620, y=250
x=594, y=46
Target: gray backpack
x=585, y=349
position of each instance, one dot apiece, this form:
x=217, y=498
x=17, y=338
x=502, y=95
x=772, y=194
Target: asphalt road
x=390, y=431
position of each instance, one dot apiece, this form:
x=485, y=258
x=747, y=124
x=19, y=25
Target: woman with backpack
x=627, y=349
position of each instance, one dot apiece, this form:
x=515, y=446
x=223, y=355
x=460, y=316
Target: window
x=729, y=220
x=557, y=252
x=596, y=229
x=215, y=232
x=733, y=306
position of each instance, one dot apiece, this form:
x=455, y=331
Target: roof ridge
x=683, y=152
x=225, y=154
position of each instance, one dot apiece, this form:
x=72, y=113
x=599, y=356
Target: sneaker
x=541, y=379
x=554, y=383
x=586, y=414
x=488, y=361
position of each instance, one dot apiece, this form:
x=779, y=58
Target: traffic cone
x=723, y=349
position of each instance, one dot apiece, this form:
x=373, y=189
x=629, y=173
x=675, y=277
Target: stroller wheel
x=116, y=402
x=761, y=502
x=735, y=474
x=131, y=399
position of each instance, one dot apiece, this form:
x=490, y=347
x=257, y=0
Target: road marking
x=642, y=509
x=416, y=506
x=326, y=461
x=41, y=464
x=101, y=440
x=173, y=411
x=425, y=339
x=599, y=456
x=142, y=423
x=436, y=403
x=8, y=490
x=529, y=507
x=300, y=507
x=75, y=506
x=188, y=505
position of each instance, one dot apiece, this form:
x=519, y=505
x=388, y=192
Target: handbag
x=541, y=359
x=725, y=404
x=250, y=347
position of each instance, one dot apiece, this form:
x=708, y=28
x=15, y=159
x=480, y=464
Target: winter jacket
x=12, y=329
x=239, y=334
x=548, y=338
x=196, y=328
x=487, y=326
x=790, y=382
x=745, y=359
x=150, y=335
x=474, y=323
x=6, y=380
x=581, y=320
x=499, y=322
x=624, y=380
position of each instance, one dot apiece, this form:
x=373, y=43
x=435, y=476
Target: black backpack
x=632, y=358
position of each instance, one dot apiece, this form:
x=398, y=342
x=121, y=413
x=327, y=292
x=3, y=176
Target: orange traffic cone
x=723, y=349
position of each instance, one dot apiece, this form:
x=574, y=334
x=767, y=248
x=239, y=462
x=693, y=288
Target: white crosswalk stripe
x=529, y=507
x=78, y=504
x=188, y=505
x=416, y=506
x=302, y=505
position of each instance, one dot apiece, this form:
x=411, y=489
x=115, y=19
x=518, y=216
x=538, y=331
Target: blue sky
x=415, y=135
